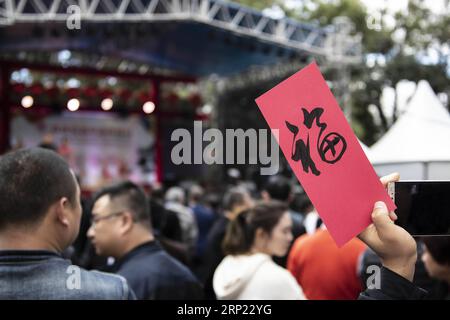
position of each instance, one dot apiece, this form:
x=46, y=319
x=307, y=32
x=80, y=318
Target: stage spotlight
x=148, y=107
x=73, y=104
x=107, y=104
x=27, y=102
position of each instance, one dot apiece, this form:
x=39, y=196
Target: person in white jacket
x=248, y=272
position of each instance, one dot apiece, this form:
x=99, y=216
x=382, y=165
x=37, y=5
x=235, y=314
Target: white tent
x=418, y=144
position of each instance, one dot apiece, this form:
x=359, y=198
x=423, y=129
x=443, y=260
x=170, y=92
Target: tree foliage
x=402, y=51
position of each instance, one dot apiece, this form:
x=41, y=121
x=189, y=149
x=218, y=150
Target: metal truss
x=6, y=12
x=217, y=13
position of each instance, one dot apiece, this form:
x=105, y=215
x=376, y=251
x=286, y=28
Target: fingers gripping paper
x=323, y=152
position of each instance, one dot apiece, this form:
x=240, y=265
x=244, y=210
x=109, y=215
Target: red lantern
x=90, y=92
x=125, y=94
x=172, y=98
x=18, y=87
x=73, y=92
x=195, y=99
x=36, y=89
x=144, y=97
x=106, y=93
x=52, y=92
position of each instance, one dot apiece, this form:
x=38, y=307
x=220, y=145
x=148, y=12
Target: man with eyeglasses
x=121, y=228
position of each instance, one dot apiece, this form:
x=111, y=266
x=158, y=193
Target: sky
x=436, y=6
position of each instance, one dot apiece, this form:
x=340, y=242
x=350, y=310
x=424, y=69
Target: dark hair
x=31, y=180
x=241, y=231
x=234, y=196
x=304, y=203
x=279, y=188
x=130, y=196
x=196, y=193
x=439, y=248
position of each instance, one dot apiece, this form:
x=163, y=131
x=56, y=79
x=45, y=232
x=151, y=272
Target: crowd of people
x=124, y=242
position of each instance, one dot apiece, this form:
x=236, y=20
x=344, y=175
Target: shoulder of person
x=300, y=242
x=104, y=285
x=280, y=280
x=179, y=270
x=160, y=263
x=274, y=272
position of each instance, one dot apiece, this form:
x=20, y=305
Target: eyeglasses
x=96, y=219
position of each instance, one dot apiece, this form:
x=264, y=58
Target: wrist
x=405, y=268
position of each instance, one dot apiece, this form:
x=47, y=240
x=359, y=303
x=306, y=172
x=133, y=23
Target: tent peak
x=426, y=104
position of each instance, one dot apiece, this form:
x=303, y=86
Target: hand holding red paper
x=323, y=152
x=393, y=244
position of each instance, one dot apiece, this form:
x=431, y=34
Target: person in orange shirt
x=324, y=271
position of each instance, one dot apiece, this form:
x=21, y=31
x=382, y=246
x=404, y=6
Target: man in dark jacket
x=40, y=215
x=121, y=228
x=235, y=200
x=436, y=289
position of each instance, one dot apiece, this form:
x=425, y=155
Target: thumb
x=381, y=219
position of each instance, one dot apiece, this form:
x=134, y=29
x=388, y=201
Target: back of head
x=304, y=203
x=439, y=248
x=241, y=231
x=196, y=193
x=175, y=194
x=31, y=180
x=234, y=197
x=278, y=188
x=129, y=196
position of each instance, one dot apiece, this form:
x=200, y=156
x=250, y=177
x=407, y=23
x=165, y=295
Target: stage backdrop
x=101, y=148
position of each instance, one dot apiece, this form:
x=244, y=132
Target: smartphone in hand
x=423, y=207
